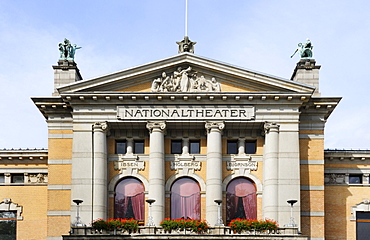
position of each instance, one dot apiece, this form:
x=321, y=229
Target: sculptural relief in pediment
x=185, y=80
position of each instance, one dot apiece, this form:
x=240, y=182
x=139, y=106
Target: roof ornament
x=186, y=45
x=305, y=50
x=67, y=50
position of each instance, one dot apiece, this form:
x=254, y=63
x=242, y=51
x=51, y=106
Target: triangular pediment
x=187, y=72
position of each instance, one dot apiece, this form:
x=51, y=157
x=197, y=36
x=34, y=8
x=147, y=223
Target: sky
x=259, y=35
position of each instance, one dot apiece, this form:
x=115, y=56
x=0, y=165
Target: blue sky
x=117, y=34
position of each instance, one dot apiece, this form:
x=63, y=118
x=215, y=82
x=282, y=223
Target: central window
x=185, y=199
x=129, y=199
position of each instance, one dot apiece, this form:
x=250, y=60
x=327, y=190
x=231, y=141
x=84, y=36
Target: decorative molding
x=363, y=206
x=271, y=126
x=185, y=164
x=218, y=126
x=241, y=164
x=159, y=126
x=8, y=205
x=129, y=164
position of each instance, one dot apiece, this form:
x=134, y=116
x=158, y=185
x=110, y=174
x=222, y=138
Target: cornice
x=347, y=156
x=185, y=98
x=23, y=155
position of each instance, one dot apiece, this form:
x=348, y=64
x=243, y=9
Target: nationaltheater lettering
x=245, y=113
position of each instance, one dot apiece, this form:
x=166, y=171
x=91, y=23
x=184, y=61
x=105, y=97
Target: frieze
x=332, y=178
x=37, y=178
x=185, y=80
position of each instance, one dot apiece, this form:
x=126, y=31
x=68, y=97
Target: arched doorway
x=241, y=199
x=129, y=199
x=185, y=199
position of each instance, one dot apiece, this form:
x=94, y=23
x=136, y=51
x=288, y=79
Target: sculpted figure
x=184, y=82
x=67, y=50
x=305, y=50
x=156, y=84
x=216, y=86
x=72, y=50
x=176, y=79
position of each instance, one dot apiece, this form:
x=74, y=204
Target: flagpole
x=186, y=17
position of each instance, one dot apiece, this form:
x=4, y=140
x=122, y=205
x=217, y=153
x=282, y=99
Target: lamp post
x=150, y=217
x=219, y=217
x=78, y=222
x=291, y=222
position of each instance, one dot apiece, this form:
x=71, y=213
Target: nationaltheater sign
x=185, y=112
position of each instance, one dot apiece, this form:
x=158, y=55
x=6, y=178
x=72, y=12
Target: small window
x=139, y=146
x=250, y=147
x=2, y=178
x=194, y=147
x=355, y=178
x=176, y=146
x=8, y=225
x=121, y=147
x=17, y=178
x=232, y=147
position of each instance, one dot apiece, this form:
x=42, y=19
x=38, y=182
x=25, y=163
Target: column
x=157, y=170
x=241, y=146
x=130, y=146
x=100, y=171
x=270, y=171
x=185, y=146
x=214, y=169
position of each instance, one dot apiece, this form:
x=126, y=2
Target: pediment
x=187, y=72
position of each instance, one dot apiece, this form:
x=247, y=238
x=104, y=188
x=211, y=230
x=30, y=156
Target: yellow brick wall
x=312, y=175
x=33, y=199
x=59, y=174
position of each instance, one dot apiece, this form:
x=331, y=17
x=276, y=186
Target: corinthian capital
x=158, y=126
x=271, y=126
x=214, y=126
x=103, y=126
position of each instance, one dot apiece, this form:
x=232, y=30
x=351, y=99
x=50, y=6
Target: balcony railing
x=146, y=232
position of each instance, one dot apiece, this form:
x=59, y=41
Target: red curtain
x=185, y=199
x=241, y=200
x=129, y=199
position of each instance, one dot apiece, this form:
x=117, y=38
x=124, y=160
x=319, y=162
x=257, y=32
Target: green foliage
x=198, y=226
x=240, y=225
x=129, y=225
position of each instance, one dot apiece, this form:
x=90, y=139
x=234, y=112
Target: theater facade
x=192, y=134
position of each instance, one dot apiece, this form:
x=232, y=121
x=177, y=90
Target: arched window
x=241, y=200
x=129, y=199
x=185, y=199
